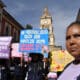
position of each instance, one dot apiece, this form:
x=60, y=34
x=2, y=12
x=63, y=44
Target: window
x=0, y=14
x=0, y=22
x=7, y=31
x=0, y=17
x=15, y=35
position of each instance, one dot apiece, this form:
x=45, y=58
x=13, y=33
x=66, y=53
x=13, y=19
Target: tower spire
x=46, y=12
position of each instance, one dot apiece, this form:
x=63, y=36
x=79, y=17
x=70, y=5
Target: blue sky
x=63, y=13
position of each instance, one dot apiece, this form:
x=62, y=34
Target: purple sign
x=5, y=46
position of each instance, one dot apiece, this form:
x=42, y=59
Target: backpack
x=35, y=72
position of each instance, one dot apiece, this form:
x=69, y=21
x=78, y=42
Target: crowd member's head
x=73, y=40
x=36, y=57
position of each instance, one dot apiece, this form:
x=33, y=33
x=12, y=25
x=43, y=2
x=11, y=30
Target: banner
x=5, y=46
x=32, y=41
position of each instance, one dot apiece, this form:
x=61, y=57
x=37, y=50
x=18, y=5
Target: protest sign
x=15, y=50
x=5, y=46
x=33, y=40
x=59, y=59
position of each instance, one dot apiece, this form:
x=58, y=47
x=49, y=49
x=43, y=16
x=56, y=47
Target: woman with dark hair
x=72, y=71
x=35, y=70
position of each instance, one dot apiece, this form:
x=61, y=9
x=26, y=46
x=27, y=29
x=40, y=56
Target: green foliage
x=29, y=26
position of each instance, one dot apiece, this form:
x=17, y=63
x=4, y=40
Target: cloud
x=61, y=19
x=63, y=13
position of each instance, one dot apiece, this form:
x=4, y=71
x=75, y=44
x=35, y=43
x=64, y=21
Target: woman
x=72, y=71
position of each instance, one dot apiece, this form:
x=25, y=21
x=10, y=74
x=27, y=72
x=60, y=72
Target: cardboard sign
x=15, y=50
x=33, y=40
x=59, y=59
x=5, y=46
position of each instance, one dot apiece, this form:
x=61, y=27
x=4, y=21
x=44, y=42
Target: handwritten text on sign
x=33, y=40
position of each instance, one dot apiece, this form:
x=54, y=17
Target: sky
x=63, y=13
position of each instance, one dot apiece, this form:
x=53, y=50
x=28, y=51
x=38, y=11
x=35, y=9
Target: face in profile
x=73, y=40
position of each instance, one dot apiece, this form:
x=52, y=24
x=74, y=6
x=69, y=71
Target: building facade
x=78, y=16
x=8, y=25
x=46, y=23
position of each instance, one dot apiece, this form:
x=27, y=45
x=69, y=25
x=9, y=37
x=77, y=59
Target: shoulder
x=67, y=65
x=65, y=68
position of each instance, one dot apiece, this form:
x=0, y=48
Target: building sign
x=33, y=40
x=5, y=46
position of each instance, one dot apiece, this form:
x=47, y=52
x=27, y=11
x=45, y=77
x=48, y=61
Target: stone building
x=8, y=25
x=46, y=22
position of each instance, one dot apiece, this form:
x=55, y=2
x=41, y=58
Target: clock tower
x=46, y=23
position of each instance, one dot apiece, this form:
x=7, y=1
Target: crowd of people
x=31, y=70
x=35, y=70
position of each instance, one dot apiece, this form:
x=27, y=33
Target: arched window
x=15, y=36
x=7, y=31
x=0, y=20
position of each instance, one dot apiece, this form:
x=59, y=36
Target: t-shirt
x=71, y=72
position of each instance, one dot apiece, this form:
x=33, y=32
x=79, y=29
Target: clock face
x=44, y=21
